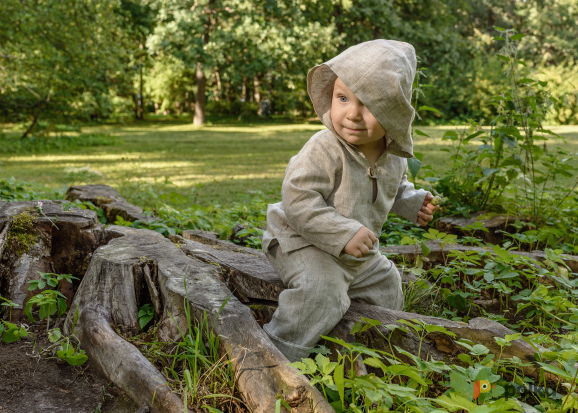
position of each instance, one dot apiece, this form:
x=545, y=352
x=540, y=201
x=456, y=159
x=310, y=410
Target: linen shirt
x=327, y=192
x=327, y=196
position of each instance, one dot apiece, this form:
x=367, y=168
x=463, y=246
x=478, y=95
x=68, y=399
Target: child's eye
x=343, y=99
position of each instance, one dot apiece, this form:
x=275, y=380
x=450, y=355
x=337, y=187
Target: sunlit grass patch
x=216, y=162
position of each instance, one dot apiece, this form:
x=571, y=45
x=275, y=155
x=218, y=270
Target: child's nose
x=354, y=112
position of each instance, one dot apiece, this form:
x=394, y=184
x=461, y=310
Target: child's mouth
x=355, y=130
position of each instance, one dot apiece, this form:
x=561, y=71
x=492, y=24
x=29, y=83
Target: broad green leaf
x=555, y=370
x=339, y=382
x=414, y=165
x=401, y=370
x=430, y=328
x=76, y=360
x=418, y=132
x=429, y=109
x=311, y=366
x=460, y=384
x=425, y=250
x=517, y=36
x=454, y=402
x=480, y=350
x=54, y=335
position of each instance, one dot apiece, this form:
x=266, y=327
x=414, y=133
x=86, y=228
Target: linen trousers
x=319, y=290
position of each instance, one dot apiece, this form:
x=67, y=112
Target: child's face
x=351, y=119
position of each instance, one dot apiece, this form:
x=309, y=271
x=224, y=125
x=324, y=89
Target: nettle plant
x=49, y=301
x=514, y=166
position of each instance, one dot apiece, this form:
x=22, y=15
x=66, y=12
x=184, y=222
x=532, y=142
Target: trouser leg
x=379, y=284
x=313, y=303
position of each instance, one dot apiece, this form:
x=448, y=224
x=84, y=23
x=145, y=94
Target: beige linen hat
x=380, y=73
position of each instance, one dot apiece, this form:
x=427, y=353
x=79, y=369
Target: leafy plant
x=86, y=205
x=145, y=314
x=8, y=304
x=11, y=332
x=48, y=301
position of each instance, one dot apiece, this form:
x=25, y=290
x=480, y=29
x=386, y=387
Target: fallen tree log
x=440, y=346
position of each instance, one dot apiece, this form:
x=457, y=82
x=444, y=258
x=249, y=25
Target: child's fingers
x=372, y=237
x=429, y=209
x=424, y=217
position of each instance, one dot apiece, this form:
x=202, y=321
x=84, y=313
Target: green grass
x=217, y=162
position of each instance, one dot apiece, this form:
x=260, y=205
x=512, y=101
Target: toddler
x=322, y=237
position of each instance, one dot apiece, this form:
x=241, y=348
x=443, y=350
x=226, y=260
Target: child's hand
x=361, y=243
x=427, y=210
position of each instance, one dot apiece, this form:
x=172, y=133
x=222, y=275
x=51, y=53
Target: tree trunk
x=41, y=109
x=256, y=85
x=141, y=99
x=244, y=90
x=199, y=118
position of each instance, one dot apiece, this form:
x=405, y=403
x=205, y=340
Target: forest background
x=86, y=60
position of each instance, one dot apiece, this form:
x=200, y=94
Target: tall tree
x=58, y=56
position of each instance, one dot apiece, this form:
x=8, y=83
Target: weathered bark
x=247, y=270
x=107, y=198
x=62, y=249
x=3, y=235
x=107, y=296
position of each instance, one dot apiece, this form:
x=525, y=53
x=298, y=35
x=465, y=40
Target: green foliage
x=48, y=301
x=60, y=57
x=195, y=368
x=11, y=332
x=250, y=213
x=145, y=315
x=14, y=190
x=86, y=205
x=514, y=169
x=8, y=304
x=73, y=356
x=410, y=383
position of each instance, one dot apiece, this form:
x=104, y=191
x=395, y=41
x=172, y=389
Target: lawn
x=214, y=164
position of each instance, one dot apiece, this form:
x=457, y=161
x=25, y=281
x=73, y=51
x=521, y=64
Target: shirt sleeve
x=309, y=180
x=408, y=200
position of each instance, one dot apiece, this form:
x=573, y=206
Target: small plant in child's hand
x=40, y=211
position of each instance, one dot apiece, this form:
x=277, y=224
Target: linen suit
x=327, y=197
